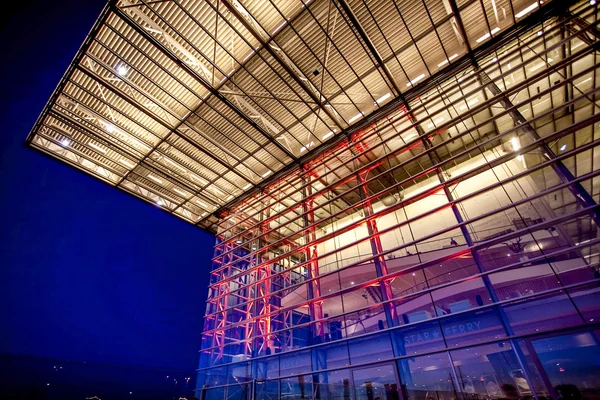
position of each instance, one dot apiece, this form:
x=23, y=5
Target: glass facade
x=448, y=250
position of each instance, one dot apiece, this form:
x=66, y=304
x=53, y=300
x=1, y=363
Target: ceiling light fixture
x=487, y=35
x=446, y=61
x=527, y=10
x=65, y=142
x=122, y=70
x=328, y=135
x=247, y=186
x=383, y=98
x=201, y=204
x=469, y=104
x=417, y=79
x=563, y=147
x=516, y=145
x=266, y=174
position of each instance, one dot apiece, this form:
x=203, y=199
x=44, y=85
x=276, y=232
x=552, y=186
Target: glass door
x=377, y=382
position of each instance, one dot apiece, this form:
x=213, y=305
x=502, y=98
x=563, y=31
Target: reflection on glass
x=572, y=364
x=428, y=377
x=491, y=371
x=297, y=387
x=377, y=382
x=333, y=385
x=267, y=390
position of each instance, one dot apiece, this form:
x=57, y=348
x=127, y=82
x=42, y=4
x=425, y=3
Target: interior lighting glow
x=160, y=202
x=247, y=186
x=437, y=121
x=527, y=10
x=65, y=142
x=201, y=204
x=266, y=174
x=417, y=79
x=469, y=104
x=109, y=128
x=229, y=197
x=516, y=145
x=563, y=147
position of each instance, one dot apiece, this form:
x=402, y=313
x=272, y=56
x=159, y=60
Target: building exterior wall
x=448, y=250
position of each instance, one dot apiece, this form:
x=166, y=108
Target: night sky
x=88, y=272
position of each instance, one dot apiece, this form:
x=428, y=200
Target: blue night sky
x=88, y=272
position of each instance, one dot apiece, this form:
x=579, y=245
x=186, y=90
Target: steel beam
x=181, y=64
x=303, y=82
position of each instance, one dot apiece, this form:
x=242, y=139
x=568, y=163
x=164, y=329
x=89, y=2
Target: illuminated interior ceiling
x=195, y=105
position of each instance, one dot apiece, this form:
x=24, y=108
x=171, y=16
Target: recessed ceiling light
x=266, y=174
x=65, y=142
x=563, y=147
x=247, y=186
x=122, y=70
x=160, y=202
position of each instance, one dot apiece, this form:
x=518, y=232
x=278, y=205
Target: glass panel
x=297, y=387
x=333, y=385
x=331, y=356
x=473, y=327
x=553, y=311
x=294, y=363
x=571, y=363
x=373, y=348
x=267, y=390
x=376, y=382
x=428, y=377
x=491, y=371
x=419, y=338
